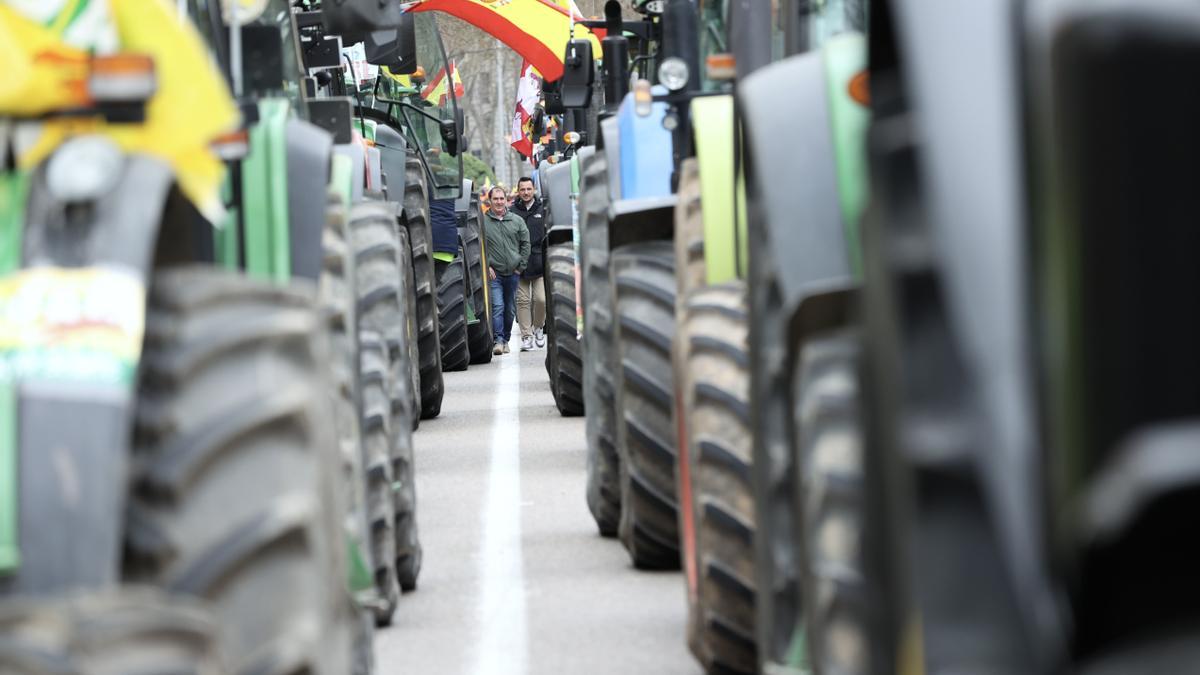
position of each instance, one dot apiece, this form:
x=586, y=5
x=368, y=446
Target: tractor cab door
x=429, y=112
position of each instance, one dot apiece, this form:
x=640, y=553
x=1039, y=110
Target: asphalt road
x=516, y=578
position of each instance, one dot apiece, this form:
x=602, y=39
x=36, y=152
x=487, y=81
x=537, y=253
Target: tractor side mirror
x=579, y=75
x=552, y=95
x=450, y=137
x=354, y=20
x=539, y=123
x=395, y=48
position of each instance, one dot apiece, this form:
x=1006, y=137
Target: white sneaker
x=498, y=350
x=526, y=343
x=539, y=336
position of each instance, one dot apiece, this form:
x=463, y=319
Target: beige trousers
x=531, y=292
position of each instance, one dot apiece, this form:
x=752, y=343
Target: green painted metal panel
x=845, y=57
x=264, y=194
x=712, y=120
x=227, y=237
x=341, y=179
x=359, y=577
x=13, y=189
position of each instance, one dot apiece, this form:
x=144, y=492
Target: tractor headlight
x=674, y=73
x=83, y=169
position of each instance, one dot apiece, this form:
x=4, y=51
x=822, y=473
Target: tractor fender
x=826, y=305
x=725, y=251
x=794, y=189
x=610, y=136
x=463, y=204
x=556, y=188
x=72, y=428
x=356, y=153
x=308, y=169
x=565, y=223
x=393, y=153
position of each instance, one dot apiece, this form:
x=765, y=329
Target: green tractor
x=193, y=363
x=1028, y=372
x=297, y=201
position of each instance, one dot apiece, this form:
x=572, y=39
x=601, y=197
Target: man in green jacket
x=507, y=241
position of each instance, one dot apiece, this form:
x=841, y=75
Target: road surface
x=516, y=578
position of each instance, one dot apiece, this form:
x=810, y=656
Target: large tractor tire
x=644, y=311
x=780, y=640
x=564, y=356
x=416, y=220
x=338, y=298
x=411, y=354
x=384, y=309
x=452, y=313
x=717, y=493
x=375, y=381
x=408, y=543
x=603, y=473
x=479, y=334
x=830, y=453
x=235, y=495
x=115, y=633
x=689, y=235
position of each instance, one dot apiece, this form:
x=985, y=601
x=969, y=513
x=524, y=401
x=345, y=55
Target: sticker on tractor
x=71, y=326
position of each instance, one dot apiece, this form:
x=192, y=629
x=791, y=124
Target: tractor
x=193, y=362
x=1028, y=379
x=679, y=358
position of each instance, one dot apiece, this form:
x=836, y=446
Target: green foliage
x=477, y=170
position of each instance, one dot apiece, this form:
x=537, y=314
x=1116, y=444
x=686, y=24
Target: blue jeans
x=504, y=305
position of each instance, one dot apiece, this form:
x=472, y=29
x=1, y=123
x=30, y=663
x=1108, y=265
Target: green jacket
x=507, y=243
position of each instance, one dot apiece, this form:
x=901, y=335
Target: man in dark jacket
x=507, y=242
x=531, y=293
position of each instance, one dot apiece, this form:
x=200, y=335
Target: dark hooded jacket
x=535, y=221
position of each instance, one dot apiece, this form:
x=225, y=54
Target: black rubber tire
x=776, y=500
x=479, y=334
x=383, y=310
x=452, y=313
x=564, y=356
x=408, y=542
x=644, y=309
x=338, y=297
x=714, y=390
x=235, y=496
x=411, y=354
x=830, y=452
x=689, y=235
x=603, y=464
x=375, y=380
x=416, y=220
x=116, y=633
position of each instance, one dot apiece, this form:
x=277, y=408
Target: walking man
x=507, y=243
x=531, y=294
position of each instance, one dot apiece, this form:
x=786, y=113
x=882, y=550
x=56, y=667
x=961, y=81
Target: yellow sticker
x=71, y=325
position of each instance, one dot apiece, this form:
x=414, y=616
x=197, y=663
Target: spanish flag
x=538, y=30
x=438, y=88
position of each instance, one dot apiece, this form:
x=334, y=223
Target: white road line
x=503, y=647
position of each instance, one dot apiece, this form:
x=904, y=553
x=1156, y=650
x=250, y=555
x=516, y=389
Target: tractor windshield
x=829, y=18
x=429, y=110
